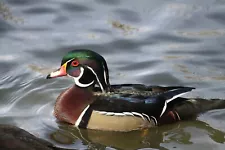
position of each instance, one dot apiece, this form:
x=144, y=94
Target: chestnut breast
x=70, y=103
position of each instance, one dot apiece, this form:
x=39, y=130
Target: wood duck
x=93, y=103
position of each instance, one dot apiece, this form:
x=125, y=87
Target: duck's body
x=115, y=107
x=124, y=108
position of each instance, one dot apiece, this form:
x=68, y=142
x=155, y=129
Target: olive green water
x=147, y=41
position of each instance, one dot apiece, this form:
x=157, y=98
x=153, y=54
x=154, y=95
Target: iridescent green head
x=86, y=67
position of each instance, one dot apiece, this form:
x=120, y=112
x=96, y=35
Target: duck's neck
x=71, y=103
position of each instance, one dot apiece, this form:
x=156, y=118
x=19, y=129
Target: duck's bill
x=58, y=73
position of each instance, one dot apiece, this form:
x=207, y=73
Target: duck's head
x=86, y=67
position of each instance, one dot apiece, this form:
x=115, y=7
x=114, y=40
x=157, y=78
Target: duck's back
x=131, y=106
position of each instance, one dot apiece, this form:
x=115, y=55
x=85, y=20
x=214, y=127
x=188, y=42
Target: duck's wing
x=138, y=105
x=141, y=89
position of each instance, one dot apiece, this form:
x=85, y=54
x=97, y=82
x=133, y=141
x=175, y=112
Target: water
x=151, y=42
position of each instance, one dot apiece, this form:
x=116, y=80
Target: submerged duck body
x=124, y=107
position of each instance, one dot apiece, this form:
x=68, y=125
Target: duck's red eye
x=75, y=63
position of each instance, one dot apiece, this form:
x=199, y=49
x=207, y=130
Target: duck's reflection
x=151, y=138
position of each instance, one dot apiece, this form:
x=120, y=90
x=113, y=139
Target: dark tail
x=189, y=109
x=193, y=107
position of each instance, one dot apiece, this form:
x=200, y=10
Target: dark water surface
x=173, y=42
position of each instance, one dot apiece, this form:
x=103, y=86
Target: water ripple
x=150, y=42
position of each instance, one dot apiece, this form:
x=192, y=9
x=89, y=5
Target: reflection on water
x=150, y=42
x=181, y=133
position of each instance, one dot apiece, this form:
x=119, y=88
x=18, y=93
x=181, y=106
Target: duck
x=93, y=103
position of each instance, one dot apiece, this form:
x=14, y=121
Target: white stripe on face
x=96, y=78
x=77, y=82
x=105, y=75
